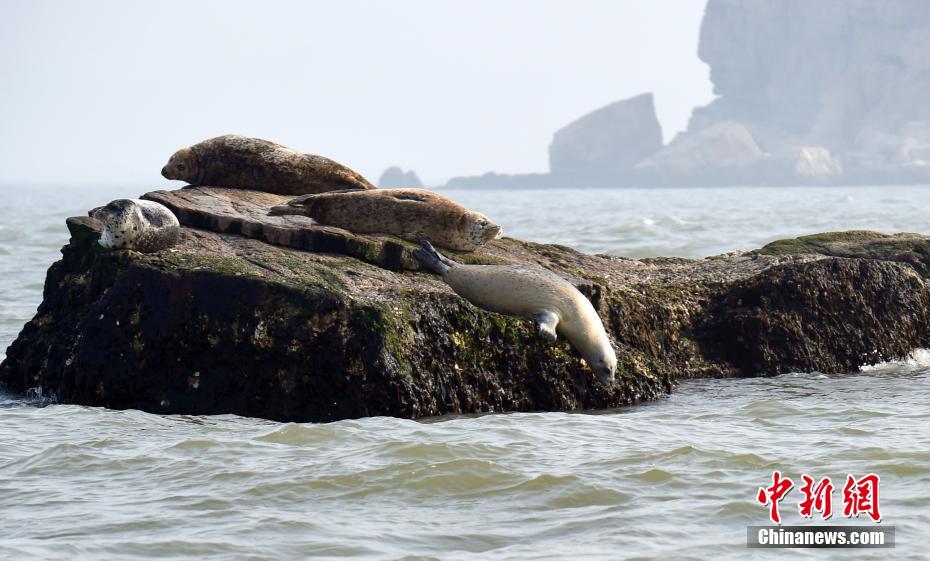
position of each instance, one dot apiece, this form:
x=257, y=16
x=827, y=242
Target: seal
x=241, y=162
x=413, y=214
x=557, y=307
x=144, y=226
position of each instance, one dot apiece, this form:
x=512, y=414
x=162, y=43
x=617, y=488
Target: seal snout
x=481, y=228
x=605, y=367
x=605, y=375
x=164, y=172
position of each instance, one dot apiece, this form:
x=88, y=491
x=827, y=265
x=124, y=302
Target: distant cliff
x=826, y=92
x=850, y=77
x=604, y=146
x=396, y=177
x=601, y=148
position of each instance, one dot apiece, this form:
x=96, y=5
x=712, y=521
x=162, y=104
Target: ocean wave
x=917, y=360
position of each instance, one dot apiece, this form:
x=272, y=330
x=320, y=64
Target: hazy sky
x=105, y=91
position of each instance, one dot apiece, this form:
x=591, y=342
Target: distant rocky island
x=397, y=177
x=808, y=93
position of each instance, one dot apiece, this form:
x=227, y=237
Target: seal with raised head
x=413, y=214
x=241, y=162
x=552, y=302
x=144, y=226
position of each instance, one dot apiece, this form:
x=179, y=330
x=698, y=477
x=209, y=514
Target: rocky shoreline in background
x=278, y=318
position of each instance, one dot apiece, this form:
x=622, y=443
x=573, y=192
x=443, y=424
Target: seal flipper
x=432, y=259
x=546, y=321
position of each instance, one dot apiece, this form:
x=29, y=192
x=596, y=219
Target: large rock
x=725, y=145
x=228, y=323
x=878, y=154
x=396, y=177
x=603, y=146
x=721, y=154
x=815, y=161
x=727, y=154
x=805, y=162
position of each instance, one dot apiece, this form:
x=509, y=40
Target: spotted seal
x=552, y=302
x=241, y=162
x=144, y=226
x=408, y=213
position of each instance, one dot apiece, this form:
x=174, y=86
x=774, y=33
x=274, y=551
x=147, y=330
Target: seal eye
x=180, y=167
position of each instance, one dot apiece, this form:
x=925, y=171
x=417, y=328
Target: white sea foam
x=919, y=359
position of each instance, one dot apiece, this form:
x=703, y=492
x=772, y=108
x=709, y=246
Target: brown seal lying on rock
x=532, y=292
x=260, y=165
x=407, y=213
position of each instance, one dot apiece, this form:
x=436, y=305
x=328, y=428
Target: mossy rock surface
x=233, y=320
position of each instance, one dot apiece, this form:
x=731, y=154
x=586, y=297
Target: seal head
x=603, y=362
x=183, y=165
x=144, y=226
x=480, y=228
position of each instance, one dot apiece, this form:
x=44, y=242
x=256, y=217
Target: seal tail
x=432, y=259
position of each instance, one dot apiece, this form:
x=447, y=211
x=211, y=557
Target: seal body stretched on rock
x=552, y=302
x=252, y=163
x=144, y=226
x=408, y=213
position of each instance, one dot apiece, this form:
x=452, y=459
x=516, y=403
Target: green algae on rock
x=226, y=322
